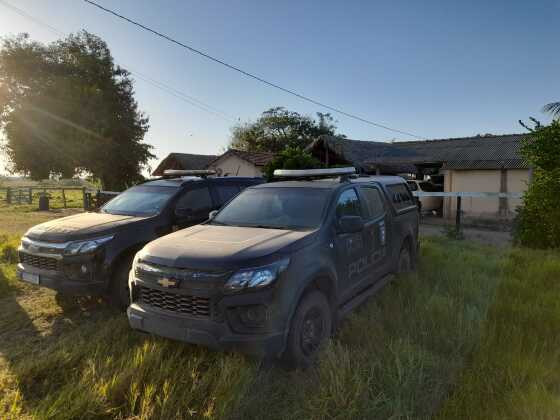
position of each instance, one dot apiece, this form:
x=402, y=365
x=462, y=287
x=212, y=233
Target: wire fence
x=58, y=197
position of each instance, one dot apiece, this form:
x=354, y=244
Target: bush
x=538, y=219
x=291, y=158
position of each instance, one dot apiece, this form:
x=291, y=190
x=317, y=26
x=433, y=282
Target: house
x=240, y=163
x=486, y=163
x=185, y=161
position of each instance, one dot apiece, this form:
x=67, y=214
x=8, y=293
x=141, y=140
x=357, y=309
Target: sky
x=437, y=69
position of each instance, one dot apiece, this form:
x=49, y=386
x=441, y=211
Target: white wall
x=482, y=181
x=235, y=166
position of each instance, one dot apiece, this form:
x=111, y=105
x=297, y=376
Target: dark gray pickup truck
x=91, y=253
x=273, y=271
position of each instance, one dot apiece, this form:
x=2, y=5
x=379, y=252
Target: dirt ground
x=495, y=238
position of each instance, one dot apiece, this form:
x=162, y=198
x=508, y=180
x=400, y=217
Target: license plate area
x=30, y=278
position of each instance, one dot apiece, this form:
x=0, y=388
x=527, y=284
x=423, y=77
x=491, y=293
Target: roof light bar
x=314, y=173
x=183, y=172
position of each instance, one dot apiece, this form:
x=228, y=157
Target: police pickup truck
x=273, y=270
x=91, y=253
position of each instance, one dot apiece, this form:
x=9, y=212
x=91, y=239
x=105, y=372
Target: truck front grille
x=196, y=306
x=44, y=263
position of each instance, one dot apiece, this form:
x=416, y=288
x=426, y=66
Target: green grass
x=474, y=334
x=515, y=370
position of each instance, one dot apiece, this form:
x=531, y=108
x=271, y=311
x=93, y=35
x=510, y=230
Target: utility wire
x=246, y=73
x=156, y=83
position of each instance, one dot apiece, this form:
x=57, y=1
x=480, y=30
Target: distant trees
x=278, y=128
x=66, y=108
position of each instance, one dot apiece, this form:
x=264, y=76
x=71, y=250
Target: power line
x=156, y=83
x=246, y=73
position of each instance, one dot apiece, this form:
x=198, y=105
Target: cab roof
x=177, y=182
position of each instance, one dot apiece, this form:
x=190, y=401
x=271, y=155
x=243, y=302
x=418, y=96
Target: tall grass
x=399, y=355
x=425, y=338
x=8, y=259
x=515, y=370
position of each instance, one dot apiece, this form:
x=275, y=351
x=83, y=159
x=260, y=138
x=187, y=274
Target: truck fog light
x=254, y=315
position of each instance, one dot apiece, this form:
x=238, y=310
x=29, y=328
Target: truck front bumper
x=215, y=335
x=92, y=284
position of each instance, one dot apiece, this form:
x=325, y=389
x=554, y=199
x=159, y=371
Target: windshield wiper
x=214, y=222
x=268, y=227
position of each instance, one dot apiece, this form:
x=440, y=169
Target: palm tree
x=552, y=108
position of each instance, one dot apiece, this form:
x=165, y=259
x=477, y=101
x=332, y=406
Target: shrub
x=538, y=219
x=291, y=158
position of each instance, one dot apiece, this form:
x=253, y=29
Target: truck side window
x=348, y=204
x=226, y=192
x=374, y=202
x=197, y=200
x=400, y=196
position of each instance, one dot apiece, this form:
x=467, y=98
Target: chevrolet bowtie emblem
x=165, y=282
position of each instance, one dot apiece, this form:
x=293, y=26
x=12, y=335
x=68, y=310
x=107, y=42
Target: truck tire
x=310, y=327
x=405, y=260
x=119, y=294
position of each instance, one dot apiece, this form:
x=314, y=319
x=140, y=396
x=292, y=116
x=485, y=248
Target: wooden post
x=458, y=215
x=63, y=198
x=8, y=197
x=84, y=196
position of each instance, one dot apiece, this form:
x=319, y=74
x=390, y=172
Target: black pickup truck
x=273, y=270
x=91, y=253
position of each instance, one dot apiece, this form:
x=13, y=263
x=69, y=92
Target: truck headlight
x=83, y=247
x=254, y=278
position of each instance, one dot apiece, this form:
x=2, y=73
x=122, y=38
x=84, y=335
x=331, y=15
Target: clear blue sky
x=435, y=68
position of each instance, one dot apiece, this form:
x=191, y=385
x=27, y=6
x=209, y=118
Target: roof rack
x=174, y=173
x=343, y=173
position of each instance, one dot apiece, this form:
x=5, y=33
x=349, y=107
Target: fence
x=60, y=197
x=459, y=195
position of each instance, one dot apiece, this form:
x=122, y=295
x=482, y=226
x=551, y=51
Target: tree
x=552, y=108
x=278, y=128
x=538, y=223
x=291, y=158
x=66, y=109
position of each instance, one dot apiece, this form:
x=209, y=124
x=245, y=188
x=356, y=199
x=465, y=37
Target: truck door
x=193, y=206
x=377, y=232
x=350, y=249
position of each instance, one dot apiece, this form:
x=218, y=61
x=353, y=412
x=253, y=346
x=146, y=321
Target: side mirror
x=350, y=224
x=212, y=214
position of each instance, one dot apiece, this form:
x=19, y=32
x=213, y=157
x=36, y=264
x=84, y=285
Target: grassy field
x=473, y=334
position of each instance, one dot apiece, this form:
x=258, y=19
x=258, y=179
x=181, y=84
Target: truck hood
x=79, y=226
x=220, y=247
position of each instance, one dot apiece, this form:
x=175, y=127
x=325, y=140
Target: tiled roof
x=479, y=152
x=256, y=158
x=185, y=161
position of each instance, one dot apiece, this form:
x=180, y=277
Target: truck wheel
x=405, y=260
x=119, y=294
x=311, y=326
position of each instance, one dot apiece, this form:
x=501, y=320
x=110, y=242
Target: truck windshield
x=139, y=201
x=276, y=208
